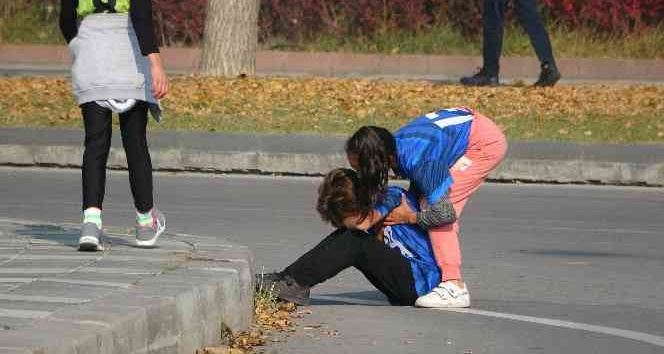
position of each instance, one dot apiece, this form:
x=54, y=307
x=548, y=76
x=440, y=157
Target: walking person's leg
x=133, y=125
x=384, y=267
x=493, y=18
x=493, y=21
x=487, y=148
x=150, y=222
x=97, y=123
x=531, y=21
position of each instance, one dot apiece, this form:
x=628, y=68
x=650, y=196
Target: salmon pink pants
x=486, y=149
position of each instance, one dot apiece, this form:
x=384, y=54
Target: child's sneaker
x=90, y=236
x=445, y=295
x=147, y=235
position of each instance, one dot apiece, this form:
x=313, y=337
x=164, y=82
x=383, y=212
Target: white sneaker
x=445, y=295
x=146, y=236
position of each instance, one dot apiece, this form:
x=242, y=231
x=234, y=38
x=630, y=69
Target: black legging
x=384, y=267
x=98, y=131
x=493, y=17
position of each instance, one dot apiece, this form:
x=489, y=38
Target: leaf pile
x=608, y=113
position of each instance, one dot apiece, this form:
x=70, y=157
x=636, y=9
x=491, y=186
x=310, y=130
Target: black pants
x=384, y=267
x=98, y=131
x=493, y=19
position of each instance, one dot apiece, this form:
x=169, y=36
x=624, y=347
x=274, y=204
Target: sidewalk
x=315, y=155
x=47, y=60
x=171, y=299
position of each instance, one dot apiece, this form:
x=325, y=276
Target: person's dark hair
x=374, y=148
x=337, y=196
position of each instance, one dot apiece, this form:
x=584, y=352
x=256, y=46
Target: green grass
x=33, y=25
x=582, y=113
x=582, y=43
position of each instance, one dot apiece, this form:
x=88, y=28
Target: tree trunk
x=230, y=39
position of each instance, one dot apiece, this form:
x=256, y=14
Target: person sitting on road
x=446, y=155
x=397, y=259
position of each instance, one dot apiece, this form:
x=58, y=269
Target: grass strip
x=618, y=113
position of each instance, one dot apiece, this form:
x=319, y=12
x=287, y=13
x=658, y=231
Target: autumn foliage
x=182, y=21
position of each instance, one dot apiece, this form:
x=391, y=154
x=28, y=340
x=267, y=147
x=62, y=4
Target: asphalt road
x=552, y=269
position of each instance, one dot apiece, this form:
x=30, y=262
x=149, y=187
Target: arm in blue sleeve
x=390, y=200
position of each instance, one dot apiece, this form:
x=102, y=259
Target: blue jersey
x=412, y=241
x=428, y=146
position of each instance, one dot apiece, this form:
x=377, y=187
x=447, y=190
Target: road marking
x=45, y=299
x=637, y=336
x=12, y=313
x=13, y=271
x=17, y=280
x=87, y=282
x=617, y=332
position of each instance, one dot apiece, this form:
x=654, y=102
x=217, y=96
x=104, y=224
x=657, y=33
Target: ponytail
x=374, y=147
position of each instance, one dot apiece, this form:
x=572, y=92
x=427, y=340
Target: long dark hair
x=374, y=147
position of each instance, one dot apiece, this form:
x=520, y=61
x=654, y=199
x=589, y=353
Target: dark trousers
x=98, y=131
x=493, y=19
x=384, y=267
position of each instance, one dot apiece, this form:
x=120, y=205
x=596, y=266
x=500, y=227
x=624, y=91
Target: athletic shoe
x=146, y=235
x=90, y=236
x=548, y=76
x=445, y=295
x=482, y=78
x=285, y=287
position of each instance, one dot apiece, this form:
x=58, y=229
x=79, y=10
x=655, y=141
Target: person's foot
x=147, y=234
x=548, y=76
x=90, y=236
x=482, y=78
x=445, y=295
x=285, y=287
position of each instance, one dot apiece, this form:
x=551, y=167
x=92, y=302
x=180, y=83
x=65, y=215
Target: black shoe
x=285, y=287
x=548, y=76
x=482, y=78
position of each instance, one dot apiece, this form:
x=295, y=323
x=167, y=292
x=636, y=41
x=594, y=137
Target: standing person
x=446, y=155
x=116, y=67
x=493, y=21
x=397, y=260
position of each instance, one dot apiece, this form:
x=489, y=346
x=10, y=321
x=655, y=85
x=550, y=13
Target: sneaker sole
x=89, y=244
x=436, y=306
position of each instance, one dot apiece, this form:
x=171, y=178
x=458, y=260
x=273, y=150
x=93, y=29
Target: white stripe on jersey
x=446, y=122
x=392, y=243
x=449, y=121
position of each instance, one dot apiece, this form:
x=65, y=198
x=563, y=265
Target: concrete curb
x=315, y=155
x=53, y=59
x=187, y=306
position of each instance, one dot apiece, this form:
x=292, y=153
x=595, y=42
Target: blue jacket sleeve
x=390, y=200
